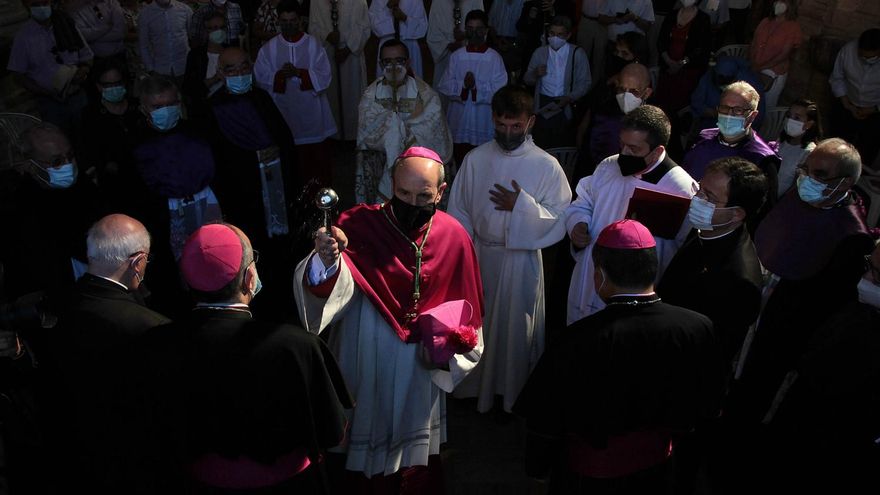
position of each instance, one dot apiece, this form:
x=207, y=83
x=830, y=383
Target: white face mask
x=556, y=42
x=628, y=102
x=687, y=3
x=869, y=293
x=779, y=8
x=794, y=128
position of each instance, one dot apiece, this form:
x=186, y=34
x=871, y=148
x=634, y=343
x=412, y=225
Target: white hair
x=745, y=90
x=108, y=248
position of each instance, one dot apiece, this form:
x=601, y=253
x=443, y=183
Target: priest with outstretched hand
x=397, y=288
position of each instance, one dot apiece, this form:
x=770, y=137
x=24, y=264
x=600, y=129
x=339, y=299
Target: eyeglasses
x=828, y=181
x=875, y=272
x=57, y=161
x=147, y=256
x=737, y=111
x=388, y=62
x=635, y=91
x=256, y=256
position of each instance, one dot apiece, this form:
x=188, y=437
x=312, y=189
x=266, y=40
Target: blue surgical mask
x=702, y=211
x=239, y=84
x=165, y=118
x=60, y=177
x=41, y=12
x=113, y=94
x=731, y=126
x=217, y=37
x=812, y=191
x=258, y=287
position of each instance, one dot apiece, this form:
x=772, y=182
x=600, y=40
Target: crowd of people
x=708, y=327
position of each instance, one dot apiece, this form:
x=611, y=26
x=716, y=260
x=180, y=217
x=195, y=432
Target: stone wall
x=827, y=25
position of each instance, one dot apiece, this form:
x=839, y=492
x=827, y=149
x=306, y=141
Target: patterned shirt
x=198, y=35
x=162, y=37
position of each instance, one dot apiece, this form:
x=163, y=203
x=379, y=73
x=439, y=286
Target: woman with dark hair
x=109, y=120
x=798, y=138
x=683, y=43
x=630, y=47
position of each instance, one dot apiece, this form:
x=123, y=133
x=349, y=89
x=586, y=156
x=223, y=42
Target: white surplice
x=411, y=30
x=391, y=121
x=307, y=112
x=508, y=245
x=470, y=119
x=354, y=31
x=400, y=414
x=441, y=30
x=603, y=198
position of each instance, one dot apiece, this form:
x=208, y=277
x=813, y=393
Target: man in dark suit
x=718, y=256
x=88, y=353
x=605, y=406
x=236, y=405
x=717, y=273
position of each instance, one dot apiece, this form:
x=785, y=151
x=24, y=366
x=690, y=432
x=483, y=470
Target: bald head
x=232, y=56
x=418, y=181
x=113, y=240
x=44, y=141
x=635, y=79
x=843, y=155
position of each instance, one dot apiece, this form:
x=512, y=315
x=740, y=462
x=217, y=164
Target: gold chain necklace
x=416, y=295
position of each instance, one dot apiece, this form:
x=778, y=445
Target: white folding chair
x=12, y=126
x=774, y=119
x=738, y=51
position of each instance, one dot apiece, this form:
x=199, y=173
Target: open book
x=662, y=213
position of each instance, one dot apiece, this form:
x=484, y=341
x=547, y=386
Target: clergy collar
x=229, y=308
x=296, y=38
x=652, y=167
x=711, y=238
x=110, y=280
x=481, y=48
x=748, y=137
x=633, y=300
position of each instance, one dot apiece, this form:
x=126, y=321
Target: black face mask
x=290, y=30
x=411, y=217
x=630, y=165
x=509, y=142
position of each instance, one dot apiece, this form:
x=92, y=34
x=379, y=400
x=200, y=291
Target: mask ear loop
x=133, y=265
x=39, y=170
x=827, y=196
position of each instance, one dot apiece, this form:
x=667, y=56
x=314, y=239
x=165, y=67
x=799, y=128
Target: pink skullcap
x=211, y=257
x=420, y=152
x=626, y=234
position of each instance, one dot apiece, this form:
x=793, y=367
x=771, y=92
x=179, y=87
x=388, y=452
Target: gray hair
x=109, y=248
x=27, y=142
x=746, y=90
x=849, y=161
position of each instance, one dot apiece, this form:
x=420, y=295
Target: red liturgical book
x=662, y=213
